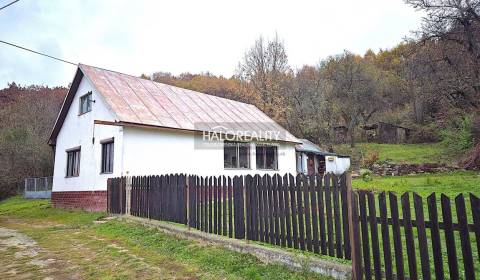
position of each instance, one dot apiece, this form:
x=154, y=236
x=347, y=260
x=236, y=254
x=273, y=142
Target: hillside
x=400, y=153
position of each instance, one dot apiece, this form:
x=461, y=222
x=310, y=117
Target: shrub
x=371, y=158
x=458, y=136
x=366, y=175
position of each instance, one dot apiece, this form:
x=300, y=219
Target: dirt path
x=23, y=258
x=43, y=250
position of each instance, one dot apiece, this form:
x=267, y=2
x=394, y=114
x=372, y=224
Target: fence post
x=354, y=232
x=128, y=196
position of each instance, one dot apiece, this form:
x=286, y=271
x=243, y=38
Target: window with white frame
x=73, y=162
x=236, y=155
x=86, y=103
x=266, y=157
x=107, y=156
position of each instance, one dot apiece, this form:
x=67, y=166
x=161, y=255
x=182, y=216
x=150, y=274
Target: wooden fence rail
x=385, y=236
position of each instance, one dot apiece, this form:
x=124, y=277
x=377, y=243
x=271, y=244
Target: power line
x=11, y=3
x=39, y=53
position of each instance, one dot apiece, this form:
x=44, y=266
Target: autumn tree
x=28, y=115
x=265, y=68
x=353, y=89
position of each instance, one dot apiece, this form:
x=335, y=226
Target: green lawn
x=400, y=153
x=451, y=183
x=81, y=245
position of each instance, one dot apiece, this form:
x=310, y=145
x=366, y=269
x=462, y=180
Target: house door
x=311, y=164
x=321, y=165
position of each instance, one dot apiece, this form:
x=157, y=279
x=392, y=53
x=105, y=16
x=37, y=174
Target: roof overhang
x=165, y=128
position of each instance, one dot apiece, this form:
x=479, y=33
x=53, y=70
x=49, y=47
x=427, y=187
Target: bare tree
x=265, y=67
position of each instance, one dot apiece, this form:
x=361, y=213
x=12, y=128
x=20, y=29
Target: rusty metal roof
x=140, y=101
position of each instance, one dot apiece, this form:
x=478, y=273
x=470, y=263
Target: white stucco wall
x=154, y=152
x=80, y=131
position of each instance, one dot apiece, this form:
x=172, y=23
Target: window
x=73, y=162
x=266, y=157
x=236, y=155
x=107, y=156
x=86, y=103
x=300, y=167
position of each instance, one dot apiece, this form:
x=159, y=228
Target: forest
x=429, y=82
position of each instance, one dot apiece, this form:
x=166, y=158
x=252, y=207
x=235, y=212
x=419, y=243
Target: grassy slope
x=401, y=153
x=119, y=250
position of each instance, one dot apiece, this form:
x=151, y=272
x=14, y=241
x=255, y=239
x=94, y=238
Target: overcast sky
x=138, y=37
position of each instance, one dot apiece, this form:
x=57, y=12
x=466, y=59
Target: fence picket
x=306, y=202
x=230, y=209
x=328, y=210
x=435, y=236
x=365, y=238
x=321, y=214
x=372, y=217
x=313, y=197
x=397, y=237
x=286, y=195
x=422, y=237
x=449, y=237
x=281, y=205
x=293, y=203
x=475, y=206
x=464, y=237
x=407, y=224
x=337, y=218
x=345, y=225
x=301, y=227
x=224, y=205
x=276, y=221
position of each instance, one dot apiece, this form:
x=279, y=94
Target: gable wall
x=78, y=130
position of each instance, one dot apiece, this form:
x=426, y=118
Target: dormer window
x=86, y=103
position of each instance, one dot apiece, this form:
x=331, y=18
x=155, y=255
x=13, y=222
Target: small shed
x=311, y=160
x=383, y=132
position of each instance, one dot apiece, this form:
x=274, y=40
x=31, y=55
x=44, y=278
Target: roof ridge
x=136, y=77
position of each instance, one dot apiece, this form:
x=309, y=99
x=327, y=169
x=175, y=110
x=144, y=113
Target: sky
x=136, y=37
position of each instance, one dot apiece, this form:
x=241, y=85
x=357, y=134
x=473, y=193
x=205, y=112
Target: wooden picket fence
x=381, y=240
x=322, y=215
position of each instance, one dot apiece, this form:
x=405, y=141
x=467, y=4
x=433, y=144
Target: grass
x=120, y=250
x=400, y=153
x=451, y=183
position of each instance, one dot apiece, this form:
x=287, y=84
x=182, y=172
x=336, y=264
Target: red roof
x=140, y=101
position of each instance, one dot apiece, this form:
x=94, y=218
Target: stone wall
x=393, y=169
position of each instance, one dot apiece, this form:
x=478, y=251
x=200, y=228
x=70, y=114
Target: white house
x=112, y=124
x=311, y=160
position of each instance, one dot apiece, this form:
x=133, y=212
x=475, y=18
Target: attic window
x=86, y=103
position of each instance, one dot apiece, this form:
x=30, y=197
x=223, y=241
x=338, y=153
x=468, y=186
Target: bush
x=371, y=158
x=366, y=175
x=458, y=137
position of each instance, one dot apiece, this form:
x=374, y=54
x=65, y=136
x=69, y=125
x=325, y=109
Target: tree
x=265, y=68
x=28, y=115
x=353, y=89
